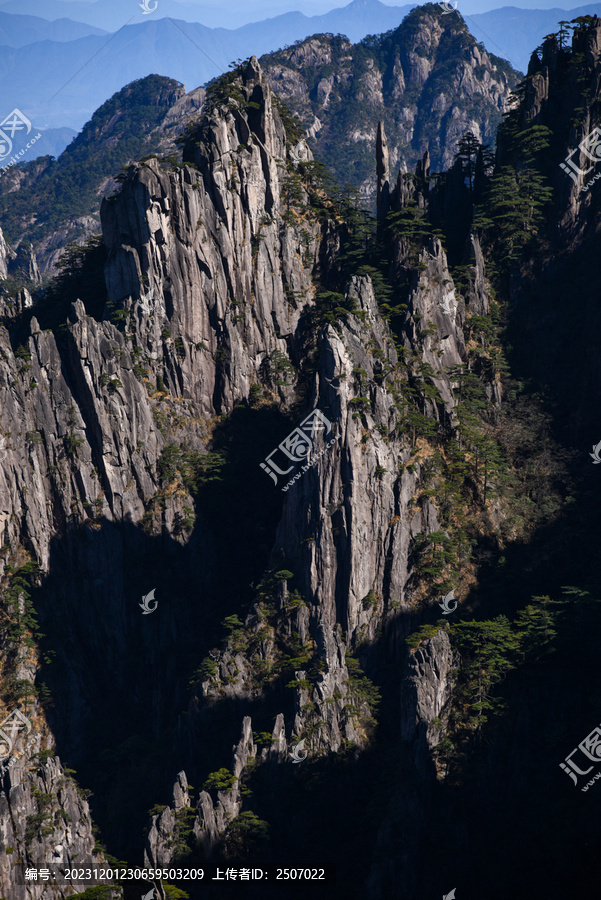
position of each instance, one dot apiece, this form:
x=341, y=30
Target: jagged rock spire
x=422, y=169
x=382, y=172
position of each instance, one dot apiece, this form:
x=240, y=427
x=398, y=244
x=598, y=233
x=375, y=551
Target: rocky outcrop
x=5, y=256
x=45, y=824
x=429, y=70
x=160, y=109
x=25, y=264
x=214, y=295
x=211, y=820
x=425, y=695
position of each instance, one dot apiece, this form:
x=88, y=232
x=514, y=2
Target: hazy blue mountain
x=113, y=14
x=359, y=18
x=58, y=83
x=106, y=14
x=514, y=33
x=63, y=84
x=189, y=52
x=53, y=142
x=16, y=31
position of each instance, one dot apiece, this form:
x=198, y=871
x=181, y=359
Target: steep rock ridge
x=425, y=695
x=433, y=302
x=45, y=822
x=18, y=265
x=428, y=80
x=219, y=233
x=558, y=105
x=211, y=275
x=436, y=312
x=209, y=821
x=560, y=101
x=356, y=527
x=549, y=100
x=79, y=446
x=147, y=116
x=5, y=256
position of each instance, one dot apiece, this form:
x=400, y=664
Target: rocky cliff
x=50, y=202
x=217, y=320
x=429, y=81
x=288, y=689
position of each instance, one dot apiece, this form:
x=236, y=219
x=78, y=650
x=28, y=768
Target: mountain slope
x=513, y=33
x=155, y=406
x=428, y=81
x=152, y=407
x=51, y=202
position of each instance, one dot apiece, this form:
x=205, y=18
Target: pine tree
x=468, y=149
x=488, y=651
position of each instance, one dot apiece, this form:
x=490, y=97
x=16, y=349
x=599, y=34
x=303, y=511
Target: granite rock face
x=212, y=270
x=162, y=116
x=425, y=695
x=45, y=824
x=429, y=80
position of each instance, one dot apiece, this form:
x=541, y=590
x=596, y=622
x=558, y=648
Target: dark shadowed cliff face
x=180, y=614
x=428, y=80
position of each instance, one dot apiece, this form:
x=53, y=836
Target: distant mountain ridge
x=113, y=14
x=514, y=33
x=191, y=52
x=18, y=31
